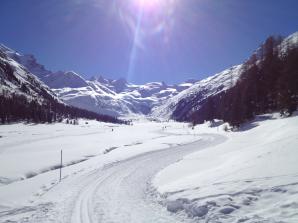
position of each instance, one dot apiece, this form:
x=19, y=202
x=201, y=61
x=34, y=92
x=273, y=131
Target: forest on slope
x=269, y=83
x=24, y=98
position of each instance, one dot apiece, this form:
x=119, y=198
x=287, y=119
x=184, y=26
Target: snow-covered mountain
x=16, y=79
x=104, y=96
x=120, y=98
x=200, y=91
x=191, y=99
x=290, y=42
x=23, y=96
x=58, y=79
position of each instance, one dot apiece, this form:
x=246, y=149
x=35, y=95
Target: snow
x=30, y=154
x=206, y=87
x=20, y=77
x=120, y=98
x=212, y=85
x=252, y=177
x=104, y=96
x=66, y=79
x=42, y=143
x=289, y=42
x=117, y=97
x=131, y=198
x=150, y=172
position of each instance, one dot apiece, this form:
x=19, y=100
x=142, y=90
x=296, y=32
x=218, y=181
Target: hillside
x=177, y=107
x=266, y=82
x=24, y=97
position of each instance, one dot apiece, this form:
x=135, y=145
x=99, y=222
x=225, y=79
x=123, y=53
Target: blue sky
x=171, y=41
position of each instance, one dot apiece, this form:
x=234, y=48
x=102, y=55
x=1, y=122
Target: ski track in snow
x=119, y=192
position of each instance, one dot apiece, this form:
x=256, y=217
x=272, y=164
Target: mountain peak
x=63, y=79
x=119, y=85
x=191, y=81
x=120, y=80
x=100, y=79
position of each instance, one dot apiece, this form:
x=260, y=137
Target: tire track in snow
x=121, y=192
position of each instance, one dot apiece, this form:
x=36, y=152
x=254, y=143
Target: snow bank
x=253, y=177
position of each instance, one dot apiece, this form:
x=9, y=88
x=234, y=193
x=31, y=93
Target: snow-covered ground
x=150, y=172
x=30, y=156
x=252, y=177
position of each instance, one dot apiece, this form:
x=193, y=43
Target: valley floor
x=150, y=172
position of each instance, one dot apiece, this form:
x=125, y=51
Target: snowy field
x=30, y=156
x=148, y=173
x=28, y=150
x=252, y=177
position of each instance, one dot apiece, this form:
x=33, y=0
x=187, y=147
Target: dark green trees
x=269, y=83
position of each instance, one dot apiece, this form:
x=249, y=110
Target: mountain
x=119, y=98
x=24, y=97
x=16, y=79
x=194, y=99
x=62, y=79
x=155, y=99
x=52, y=79
x=100, y=95
x=182, y=104
x=267, y=82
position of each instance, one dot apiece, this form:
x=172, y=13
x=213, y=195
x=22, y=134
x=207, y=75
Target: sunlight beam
x=134, y=49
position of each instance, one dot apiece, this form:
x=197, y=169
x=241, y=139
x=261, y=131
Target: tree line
x=14, y=108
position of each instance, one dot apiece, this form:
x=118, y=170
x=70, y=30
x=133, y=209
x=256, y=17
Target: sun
x=148, y=4
x=153, y=6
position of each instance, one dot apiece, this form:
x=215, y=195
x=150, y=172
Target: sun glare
x=147, y=4
x=146, y=21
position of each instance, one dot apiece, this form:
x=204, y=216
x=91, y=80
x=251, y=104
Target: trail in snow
x=121, y=192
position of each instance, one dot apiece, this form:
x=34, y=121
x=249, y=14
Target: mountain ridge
x=268, y=83
x=24, y=97
x=121, y=98
x=98, y=94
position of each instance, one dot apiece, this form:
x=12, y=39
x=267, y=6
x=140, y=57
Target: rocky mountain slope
x=198, y=93
x=23, y=97
x=105, y=96
x=189, y=101
x=267, y=82
x=16, y=79
x=118, y=97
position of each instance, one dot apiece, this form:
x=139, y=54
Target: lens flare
x=147, y=22
x=147, y=4
x=158, y=17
